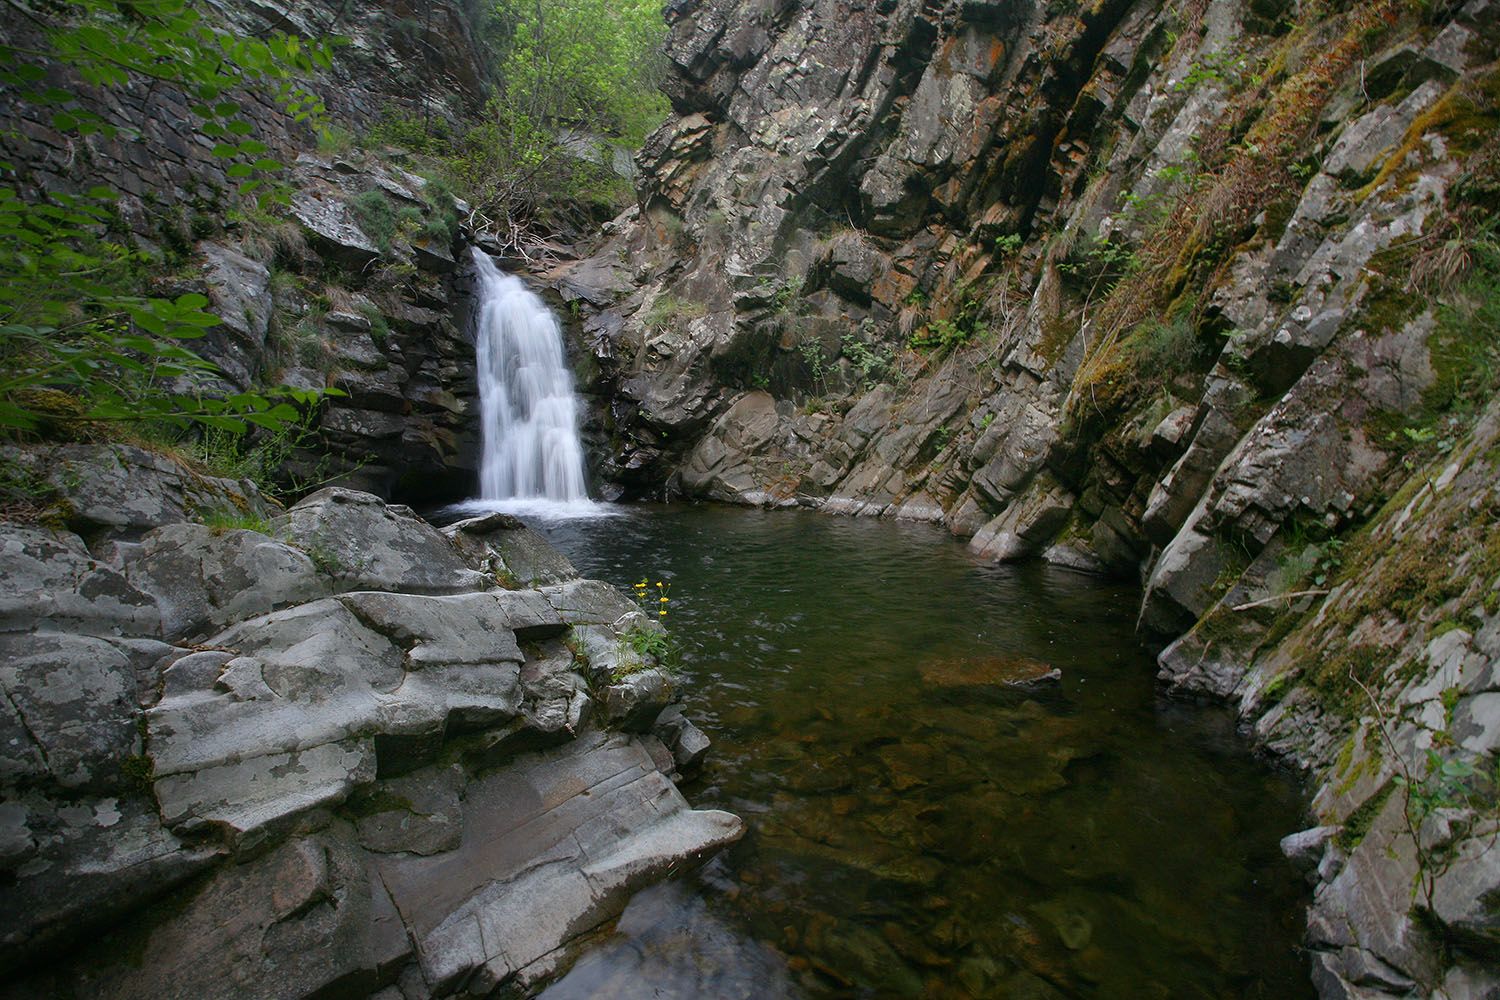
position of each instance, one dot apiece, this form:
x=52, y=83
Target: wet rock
x=1305, y=848
x=416, y=814
x=93, y=860
x=1027, y=525
x=600, y=821
x=686, y=741
x=499, y=543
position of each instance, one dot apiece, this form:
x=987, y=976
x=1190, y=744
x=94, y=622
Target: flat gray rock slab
x=589, y=602
x=552, y=846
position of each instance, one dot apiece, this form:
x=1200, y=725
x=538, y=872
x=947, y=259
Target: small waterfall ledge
x=532, y=455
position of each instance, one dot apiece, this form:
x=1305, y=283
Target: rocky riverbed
x=255, y=752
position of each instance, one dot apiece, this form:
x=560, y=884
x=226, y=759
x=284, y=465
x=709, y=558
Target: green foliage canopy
x=594, y=65
x=575, y=78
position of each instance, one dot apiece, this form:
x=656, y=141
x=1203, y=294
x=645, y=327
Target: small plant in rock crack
x=650, y=646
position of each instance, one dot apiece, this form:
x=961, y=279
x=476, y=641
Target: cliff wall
x=1200, y=293
x=359, y=287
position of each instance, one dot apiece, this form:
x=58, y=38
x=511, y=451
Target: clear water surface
x=916, y=826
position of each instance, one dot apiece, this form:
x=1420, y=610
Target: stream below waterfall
x=917, y=828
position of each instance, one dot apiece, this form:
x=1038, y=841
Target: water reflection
x=928, y=816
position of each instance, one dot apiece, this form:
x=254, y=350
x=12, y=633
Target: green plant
x=816, y=363
x=788, y=295
x=79, y=341
x=669, y=311
x=1007, y=245
x=380, y=327
x=1099, y=264
x=222, y=521
x=382, y=221
x=1446, y=781
x=651, y=646
x=872, y=365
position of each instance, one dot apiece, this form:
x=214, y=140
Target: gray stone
x=74, y=699
x=501, y=543
x=239, y=293
x=589, y=602
x=330, y=223
x=1466, y=895
x=1368, y=141
x=552, y=846
x=98, y=859
x=125, y=491
x=299, y=921
x=634, y=701
x=203, y=579
x=1027, y=525
x=467, y=629
x=52, y=580
x=422, y=814
x=1305, y=848
x=365, y=545
x=686, y=741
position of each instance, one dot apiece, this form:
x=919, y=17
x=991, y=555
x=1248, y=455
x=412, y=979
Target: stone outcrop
x=323, y=751
x=1143, y=289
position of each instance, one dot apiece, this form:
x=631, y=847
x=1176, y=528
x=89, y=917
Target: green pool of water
x=917, y=827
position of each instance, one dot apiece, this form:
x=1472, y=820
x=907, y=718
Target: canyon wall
x=1198, y=293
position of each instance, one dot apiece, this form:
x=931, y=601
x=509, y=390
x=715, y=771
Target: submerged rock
x=990, y=671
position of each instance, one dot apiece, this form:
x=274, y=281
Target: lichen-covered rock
x=365, y=545
x=329, y=744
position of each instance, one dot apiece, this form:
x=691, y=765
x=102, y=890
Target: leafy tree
x=575, y=79
x=78, y=339
x=592, y=65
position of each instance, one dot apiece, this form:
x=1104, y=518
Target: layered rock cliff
x=1201, y=293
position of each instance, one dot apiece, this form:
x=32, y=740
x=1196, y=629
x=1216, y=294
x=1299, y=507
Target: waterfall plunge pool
x=914, y=828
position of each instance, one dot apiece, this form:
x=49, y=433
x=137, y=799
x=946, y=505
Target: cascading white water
x=528, y=410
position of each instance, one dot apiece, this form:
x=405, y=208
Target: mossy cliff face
x=1202, y=293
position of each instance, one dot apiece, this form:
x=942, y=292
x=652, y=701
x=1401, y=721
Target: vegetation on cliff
x=575, y=89
x=81, y=337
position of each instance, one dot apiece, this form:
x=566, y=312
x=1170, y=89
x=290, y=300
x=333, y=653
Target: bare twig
x=1280, y=597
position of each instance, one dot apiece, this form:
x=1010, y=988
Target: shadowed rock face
x=329, y=755
x=919, y=260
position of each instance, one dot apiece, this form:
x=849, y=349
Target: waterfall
x=528, y=412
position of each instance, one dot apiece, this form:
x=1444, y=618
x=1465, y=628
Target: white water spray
x=528, y=411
